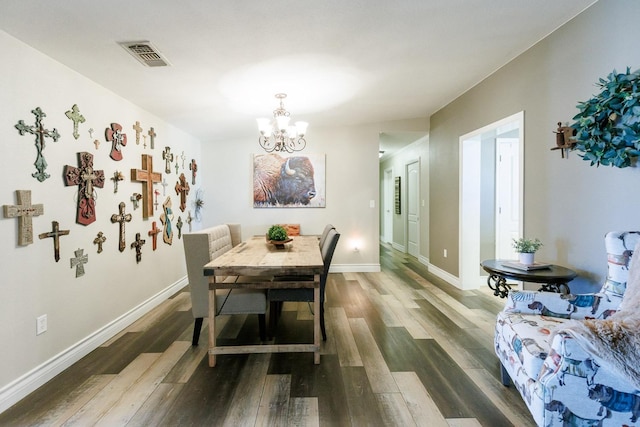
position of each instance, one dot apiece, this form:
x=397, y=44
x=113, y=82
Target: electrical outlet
x=41, y=324
x=445, y=253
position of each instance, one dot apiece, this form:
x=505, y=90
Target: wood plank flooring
x=403, y=348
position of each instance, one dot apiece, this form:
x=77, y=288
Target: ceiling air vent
x=146, y=53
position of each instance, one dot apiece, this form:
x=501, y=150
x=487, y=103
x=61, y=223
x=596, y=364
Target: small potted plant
x=277, y=235
x=526, y=249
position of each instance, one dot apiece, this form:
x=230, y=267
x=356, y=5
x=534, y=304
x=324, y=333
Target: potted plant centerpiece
x=277, y=235
x=526, y=248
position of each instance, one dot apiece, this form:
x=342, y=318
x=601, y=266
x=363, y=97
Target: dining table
x=259, y=264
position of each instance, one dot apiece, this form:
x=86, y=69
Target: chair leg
x=262, y=325
x=324, y=332
x=197, y=327
x=504, y=376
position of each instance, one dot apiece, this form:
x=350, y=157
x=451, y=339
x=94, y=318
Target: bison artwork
x=283, y=181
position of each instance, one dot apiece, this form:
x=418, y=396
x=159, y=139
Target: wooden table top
x=257, y=257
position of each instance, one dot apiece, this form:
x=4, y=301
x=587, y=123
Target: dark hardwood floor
x=403, y=348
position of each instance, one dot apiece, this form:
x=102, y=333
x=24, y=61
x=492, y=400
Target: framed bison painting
x=289, y=181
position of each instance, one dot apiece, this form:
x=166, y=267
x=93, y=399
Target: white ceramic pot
x=526, y=258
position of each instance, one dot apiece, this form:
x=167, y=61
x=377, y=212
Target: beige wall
x=567, y=204
x=80, y=309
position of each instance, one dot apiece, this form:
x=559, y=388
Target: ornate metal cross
x=138, y=130
x=135, y=199
x=99, y=240
x=75, y=116
x=121, y=218
x=153, y=233
x=179, y=227
x=152, y=138
x=41, y=133
x=193, y=167
x=183, y=158
x=167, y=156
x=138, y=246
x=147, y=177
x=177, y=166
x=189, y=220
x=117, y=176
x=79, y=261
x=164, y=184
x=118, y=140
x=24, y=211
x=165, y=219
x=86, y=178
x=55, y=233
x=182, y=189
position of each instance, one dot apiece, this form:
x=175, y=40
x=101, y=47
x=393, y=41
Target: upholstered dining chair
x=277, y=296
x=324, y=234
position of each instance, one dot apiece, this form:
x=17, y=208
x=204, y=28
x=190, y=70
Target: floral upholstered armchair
x=575, y=359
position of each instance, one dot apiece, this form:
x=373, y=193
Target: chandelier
x=277, y=135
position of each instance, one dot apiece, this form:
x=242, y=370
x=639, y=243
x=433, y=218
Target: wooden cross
x=99, y=240
x=121, y=218
x=147, y=176
x=41, y=133
x=179, y=227
x=165, y=219
x=152, y=138
x=86, y=178
x=79, y=261
x=138, y=130
x=153, y=233
x=193, y=167
x=24, y=211
x=138, y=246
x=55, y=233
x=189, y=220
x=117, y=176
x=182, y=189
x=118, y=140
x=75, y=116
x=168, y=158
x=96, y=143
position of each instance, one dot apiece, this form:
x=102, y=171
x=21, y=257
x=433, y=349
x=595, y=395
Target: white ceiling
x=340, y=61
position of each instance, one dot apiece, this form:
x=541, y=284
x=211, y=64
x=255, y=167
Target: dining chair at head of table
x=276, y=296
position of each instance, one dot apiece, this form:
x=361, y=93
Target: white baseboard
x=423, y=260
x=398, y=247
x=447, y=277
x=27, y=383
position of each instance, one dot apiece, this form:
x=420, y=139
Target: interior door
x=388, y=206
x=507, y=196
x=413, y=209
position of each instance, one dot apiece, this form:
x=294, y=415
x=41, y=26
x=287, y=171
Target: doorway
x=491, y=195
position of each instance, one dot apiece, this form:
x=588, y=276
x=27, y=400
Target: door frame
x=469, y=169
x=406, y=204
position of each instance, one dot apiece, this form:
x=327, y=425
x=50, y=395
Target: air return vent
x=146, y=53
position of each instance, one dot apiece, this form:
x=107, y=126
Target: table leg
x=212, y=326
x=316, y=319
x=560, y=288
x=500, y=287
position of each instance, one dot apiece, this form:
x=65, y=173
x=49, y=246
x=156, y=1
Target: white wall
x=32, y=282
x=351, y=185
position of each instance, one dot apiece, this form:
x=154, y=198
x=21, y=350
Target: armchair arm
x=570, y=306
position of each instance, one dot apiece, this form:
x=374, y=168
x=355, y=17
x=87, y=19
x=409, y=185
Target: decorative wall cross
x=121, y=218
x=182, y=189
x=177, y=166
x=147, y=177
x=75, y=116
x=118, y=140
x=164, y=184
x=99, y=240
x=152, y=138
x=117, y=177
x=55, y=233
x=138, y=247
x=167, y=156
x=165, y=219
x=135, y=198
x=79, y=261
x=189, y=220
x=193, y=167
x=138, y=130
x=86, y=178
x=183, y=158
x=24, y=211
x=179, y=227
x=144, y=142
x=41, y=133
x=155, y=202
x=153, y=233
